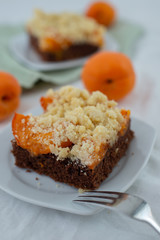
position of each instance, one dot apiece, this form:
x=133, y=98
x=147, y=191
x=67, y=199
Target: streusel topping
x=83, y=125
x=66, y=26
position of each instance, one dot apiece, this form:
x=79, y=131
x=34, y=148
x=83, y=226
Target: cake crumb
x=80, y=190
x=37, y=178
x=39, y=184
x=28, y=170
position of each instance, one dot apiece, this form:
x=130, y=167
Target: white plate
x=23, y=53
x=48, y=193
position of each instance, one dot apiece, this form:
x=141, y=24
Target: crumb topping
x=78, y=125
x=65, y=28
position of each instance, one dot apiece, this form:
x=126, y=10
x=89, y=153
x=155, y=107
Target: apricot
x=102, y=12
x=10, y=91
x=26, y=138
x=52, y=45
x=45, y=101
x=111, y=73
x=34, y=142
x=126, y=115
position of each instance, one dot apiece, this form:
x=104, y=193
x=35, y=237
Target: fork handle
x=147, y=216
x=153, y=223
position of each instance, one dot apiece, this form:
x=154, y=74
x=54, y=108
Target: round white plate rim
x=79, y=210
x=22, y=38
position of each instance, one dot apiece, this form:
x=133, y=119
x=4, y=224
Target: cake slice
x=78, y=139
x=64, y=36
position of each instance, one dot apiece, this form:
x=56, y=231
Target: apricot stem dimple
x=5, y=98
x=109, y=81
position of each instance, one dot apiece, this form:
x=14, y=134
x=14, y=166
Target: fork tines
x=109, y=197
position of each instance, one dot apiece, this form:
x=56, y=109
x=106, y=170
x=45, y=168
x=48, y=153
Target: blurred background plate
x=24, y=54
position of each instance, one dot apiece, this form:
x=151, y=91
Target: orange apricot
x=102, y=12
x=52, y=45
x=10, y=91
x=45, y=101
x=27, y=138
x=111, y=73
x=126, y=115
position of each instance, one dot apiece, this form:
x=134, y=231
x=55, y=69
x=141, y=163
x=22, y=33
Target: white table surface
x=20, y=220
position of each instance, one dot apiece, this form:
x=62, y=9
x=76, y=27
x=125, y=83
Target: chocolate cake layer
x=73, y=172
x=72, y=52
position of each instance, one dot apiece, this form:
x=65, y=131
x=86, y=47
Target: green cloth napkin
x=126, y=34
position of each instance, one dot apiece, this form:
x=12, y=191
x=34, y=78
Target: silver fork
x=130, y=205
